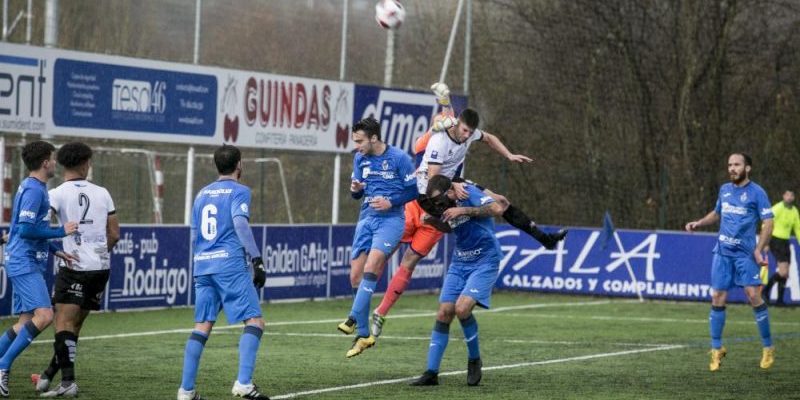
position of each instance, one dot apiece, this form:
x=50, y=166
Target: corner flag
x=608, y=231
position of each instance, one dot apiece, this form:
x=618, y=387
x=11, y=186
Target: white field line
x=638, y=319
x=492, y=368
x=458, y=339
x=333, y=321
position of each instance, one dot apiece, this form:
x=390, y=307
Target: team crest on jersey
x=434, y=154
x=743, y=197
x=385, y=165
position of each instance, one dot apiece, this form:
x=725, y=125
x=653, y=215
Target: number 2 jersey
x=89, y=205
x=217, y=248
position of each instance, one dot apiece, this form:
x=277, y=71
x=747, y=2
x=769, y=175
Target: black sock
x=770, y=283
x=781, y=288
x=66, y=346
x=519, y=220
x=52, y=369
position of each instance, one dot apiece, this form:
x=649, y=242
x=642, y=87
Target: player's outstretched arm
x=710, y=219
x=497, y=145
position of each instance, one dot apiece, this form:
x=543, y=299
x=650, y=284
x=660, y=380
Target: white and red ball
x=389, y=14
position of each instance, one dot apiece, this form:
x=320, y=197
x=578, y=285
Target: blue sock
x=439, y=338
x=22, y=341
x=716, y=321
x=191, y=358
x=762, y=321
x=361, y=303
x=470, y=328
x=6, y=340
x=248, y=350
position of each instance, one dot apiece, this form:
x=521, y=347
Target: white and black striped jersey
x=90, y=205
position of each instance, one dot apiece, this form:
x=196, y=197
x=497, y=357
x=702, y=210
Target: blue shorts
x=729, y=271
x=475, y=280
x=232, y=292
x=381, y=233
x=30, y=292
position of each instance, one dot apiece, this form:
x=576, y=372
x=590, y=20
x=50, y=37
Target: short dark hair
x=747, y=159
x=74, y=154
x=438, y=183
x=470, y=117
x=370, y=126
x=226, y=158
x=35, y=153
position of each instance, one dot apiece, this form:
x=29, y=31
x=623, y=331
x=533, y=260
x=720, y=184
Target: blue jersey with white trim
x=475, y=240
x=217, y=248
x=31, y=206
x=384, y=175
x=740, y=209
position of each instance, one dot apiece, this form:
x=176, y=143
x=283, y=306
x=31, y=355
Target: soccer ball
x=389, y=14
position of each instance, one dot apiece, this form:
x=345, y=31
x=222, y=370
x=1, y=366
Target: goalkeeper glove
x=443, y=123
x=442, y=93
x=259, y=273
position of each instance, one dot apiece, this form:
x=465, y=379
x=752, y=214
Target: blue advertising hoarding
x=151, y=265
x=123, y=98
x=297, y=260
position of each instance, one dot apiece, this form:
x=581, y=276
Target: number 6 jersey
x=90, y=205
x=217, y=248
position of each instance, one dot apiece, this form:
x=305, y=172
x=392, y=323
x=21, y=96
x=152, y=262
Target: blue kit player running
x=26, y=255
x=471, y=275
x=384, y=177
x=222, y=236
x=741, y=205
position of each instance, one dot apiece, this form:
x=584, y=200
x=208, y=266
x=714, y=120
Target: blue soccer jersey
x=386, y=175
x=31, y=206
x=217, y=248
x=740, y=209
x=475, y=240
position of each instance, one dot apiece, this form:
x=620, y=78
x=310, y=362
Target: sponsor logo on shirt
x=728, y=208
x=726, y=194
x=217, y=192
x=468, y=254
x=730, y=240
x=27, y=214
x=766, y=211
x=211, y=255
x=409, y=177
x=434, y=154
x=244, y=208
x=485, y=199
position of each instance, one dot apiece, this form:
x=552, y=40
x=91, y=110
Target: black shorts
x=780, y=249
x=84, y=288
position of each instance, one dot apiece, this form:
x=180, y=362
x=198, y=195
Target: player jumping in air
x=384, y=177
x=442, y=150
